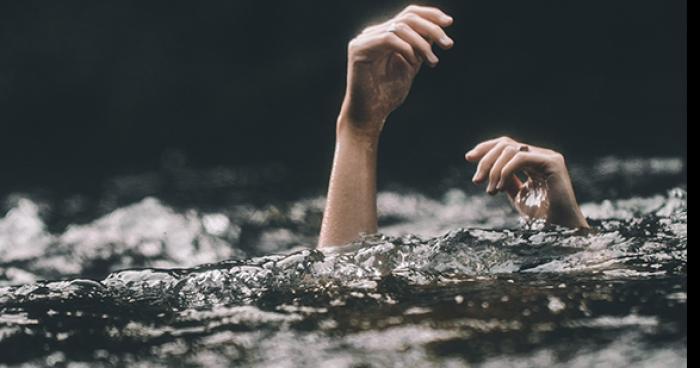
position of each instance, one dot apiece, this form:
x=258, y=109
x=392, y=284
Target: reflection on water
x=455, y=279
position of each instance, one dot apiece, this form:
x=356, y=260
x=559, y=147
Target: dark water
x=455, y=280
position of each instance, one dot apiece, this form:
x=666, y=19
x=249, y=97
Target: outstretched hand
x=547, y=193
x=383, y=61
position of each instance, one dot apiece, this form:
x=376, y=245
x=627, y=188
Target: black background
x=90, y=89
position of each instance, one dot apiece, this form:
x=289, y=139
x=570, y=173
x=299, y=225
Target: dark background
x=92, y=89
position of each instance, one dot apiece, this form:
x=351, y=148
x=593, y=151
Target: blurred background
x=96, y=90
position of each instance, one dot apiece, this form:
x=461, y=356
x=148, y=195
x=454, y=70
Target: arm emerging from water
x=546, y=194
x=382, y=63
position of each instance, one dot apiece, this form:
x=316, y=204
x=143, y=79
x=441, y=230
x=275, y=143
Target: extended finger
x=387, y=42
x=419, y=43
x=432, y=14
x=476, y=153
x=488, y=160
x=427, y=29
x=495, y=173
x=522, y=161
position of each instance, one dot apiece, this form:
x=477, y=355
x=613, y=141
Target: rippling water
x=454, y=280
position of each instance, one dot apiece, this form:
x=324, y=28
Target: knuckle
x=410, y=17
x=400, y=26
x=503, y=144
x=558, y=158
x=386, y=37
x=505, y=139
x=392, y=39
x=353, y=45
x=504, y=171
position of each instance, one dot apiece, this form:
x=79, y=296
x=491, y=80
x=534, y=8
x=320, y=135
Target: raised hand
x=546, y=194
x=383, y=61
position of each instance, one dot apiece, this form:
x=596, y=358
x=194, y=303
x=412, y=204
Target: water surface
x=455, y=279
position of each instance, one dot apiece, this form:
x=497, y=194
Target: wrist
x=564, y=206
x=358, y=132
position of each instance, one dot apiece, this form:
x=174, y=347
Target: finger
x=483, y=148
x=427, y=29
x=419, y=43
x=511, y=185
x=434, y=15
x=495, y=173
x=482, y=171
x=388, y=41
x=521, y=161
x=379, y=28
x=375, y=28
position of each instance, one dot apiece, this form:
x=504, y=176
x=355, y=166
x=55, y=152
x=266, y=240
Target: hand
x=382, y=63
x=546, y=194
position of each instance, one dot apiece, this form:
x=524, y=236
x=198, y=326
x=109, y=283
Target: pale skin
x=382, y=64
x=499, y=162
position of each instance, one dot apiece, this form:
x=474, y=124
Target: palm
x=532, y=199
x=546, y=195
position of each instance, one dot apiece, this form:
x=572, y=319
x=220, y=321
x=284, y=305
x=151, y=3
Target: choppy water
x=455, y=280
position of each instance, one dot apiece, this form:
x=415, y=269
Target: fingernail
x=475, y=177
x=500, y=185
x=434, y=60
x=446, y=41
x=448, y=19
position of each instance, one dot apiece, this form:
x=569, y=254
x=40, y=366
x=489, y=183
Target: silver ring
x=524, y=148
x=392, y=28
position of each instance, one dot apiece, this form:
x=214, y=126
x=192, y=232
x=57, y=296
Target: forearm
x=351, y=207
x=383, y=60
